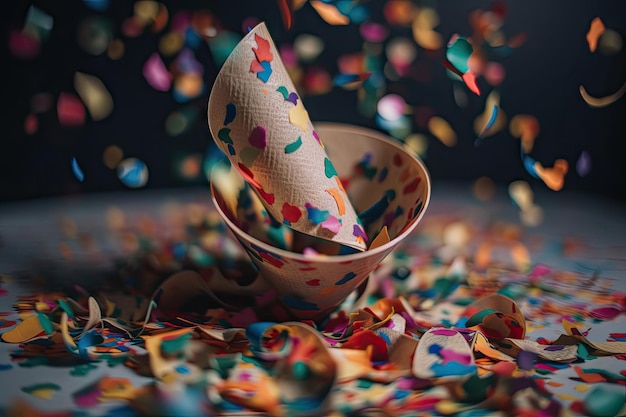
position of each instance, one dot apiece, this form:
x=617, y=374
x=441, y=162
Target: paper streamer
x=258, y=120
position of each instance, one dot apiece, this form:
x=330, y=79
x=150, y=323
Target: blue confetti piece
x=78, y=173
x=292, y=302
x=231, y=112
x=346, y=278
x=267, y=71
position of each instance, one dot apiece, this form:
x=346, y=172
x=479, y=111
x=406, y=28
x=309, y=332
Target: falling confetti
x=133, y=173
x=602, y=101
x=78, y=173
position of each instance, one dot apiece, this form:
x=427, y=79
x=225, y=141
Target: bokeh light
x=133, y=172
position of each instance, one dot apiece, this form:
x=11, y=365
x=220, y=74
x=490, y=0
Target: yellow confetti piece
x=380, y=239
x=94, y=94
x=298, y=116
x=567, y=397
x=582, y=388
x=442, y=130
x=26, y=330
x=41, y=306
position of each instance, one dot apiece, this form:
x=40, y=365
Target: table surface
x=74, y=240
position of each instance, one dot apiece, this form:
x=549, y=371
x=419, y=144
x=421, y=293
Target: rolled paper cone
x=258, y=120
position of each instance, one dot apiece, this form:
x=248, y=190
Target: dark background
x=542, y=78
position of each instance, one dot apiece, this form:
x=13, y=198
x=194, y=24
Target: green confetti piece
x=66, y=307
x=83, y=369
x=45, y=323
x=224, y=135
x=458, y=54
x=293, y=146
x=479, y=317
x=283, y=90
x=175, y=345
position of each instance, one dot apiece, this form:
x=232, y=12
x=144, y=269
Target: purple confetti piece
x=583, y=164
x=526, y=360
x=293, y=98
x=258, y=137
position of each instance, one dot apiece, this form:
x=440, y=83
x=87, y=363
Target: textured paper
x=613, y=348
x=258, y=119
x=553, y=352
x=499, y=317
x=443, y=353
x=385, y=183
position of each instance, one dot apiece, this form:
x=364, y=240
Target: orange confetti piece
x=596, y=29
x=285, y=13
x=555, y=384
x=525, y=127
x=590, y=378
x=380, y=239
x=469, y=78
x=341, y=204
x=329, y=13
x=553, y=177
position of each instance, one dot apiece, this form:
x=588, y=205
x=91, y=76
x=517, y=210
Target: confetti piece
x=298, y=116
x=78, y=173
x=70, y=110
x=133, y=173
x=596, y=29
x=336, y=194
x=553, y=177
x=26, y=330
x=583, y=163
x=156, y=74
x=604, y=400
x=442, y=130
x=381, y=238
x=443, y=353
x=330, y=13
x=458, y=53
x=286, y=13
x=293, y=146
x=525, y=127
x=44, y=390
x=94, y=94
x=601, y=101
x=488, y=125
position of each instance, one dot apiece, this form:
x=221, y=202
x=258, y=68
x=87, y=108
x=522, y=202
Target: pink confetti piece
x=156, y=74
x=70, y=110
x=332, y=223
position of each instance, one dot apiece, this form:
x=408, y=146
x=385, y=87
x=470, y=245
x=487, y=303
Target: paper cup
x=388, y=187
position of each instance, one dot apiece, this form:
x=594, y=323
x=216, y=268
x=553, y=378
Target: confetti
x=78, y=173
x=132, y=172
x=596, y=29
x=602, y=101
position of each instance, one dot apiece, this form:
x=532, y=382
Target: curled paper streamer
x=257, y=118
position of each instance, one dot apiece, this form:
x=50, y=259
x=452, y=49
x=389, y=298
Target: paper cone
x=394, y=199
x=257, y=118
